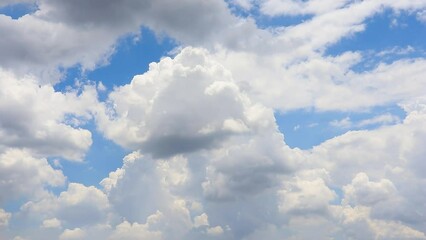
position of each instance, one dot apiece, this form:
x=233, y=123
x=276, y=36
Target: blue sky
x=241, y=119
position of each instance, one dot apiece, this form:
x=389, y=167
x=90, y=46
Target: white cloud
x=39, y=119
x=381, y=119
x=202, y=220
x=127, y=231
x=86, y=32
x=305, y=196
x=4, y=218
x=75, y=233
x=143, y=182
x=421, y=16
x=153, y=107
x=359, y=225
x=215, y=231
x=343, y=123
x=384, y=119
x=51, y=223
x=78, y=210
x=22, y=176
x=364, y=192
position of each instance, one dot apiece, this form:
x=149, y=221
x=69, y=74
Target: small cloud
x=421, y=16
x=76, y=233
x=343, y=123
x=394, y=23
x=215, y=231
x=4, y=218
x=101, y=87
x=384, y=119
x=57, y=163
x=51, y=223
x=396, y=51
x=296, y=127
x=202, y=220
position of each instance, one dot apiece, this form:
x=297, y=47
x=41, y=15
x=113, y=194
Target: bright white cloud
x=34, y=118
x=151, y=112
x=77, y=207
x=22, y=176
x=305, y=196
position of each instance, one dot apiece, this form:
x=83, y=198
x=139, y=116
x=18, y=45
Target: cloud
x=343, y=123
x=76, y=233
x=364, y=192
x=150, y=113
x=34, y=118
x=86, y=33
x=77, y=207
x=305, y=196
x=201, y=220
x=244, y=4
x=421, y=16
x=4, y=218
x=23, y=176
x=208, y=160
x=127, y=231
x=246, y=189
x=384, y=119
x=51, y=223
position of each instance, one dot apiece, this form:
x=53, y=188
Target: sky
x=213, y=119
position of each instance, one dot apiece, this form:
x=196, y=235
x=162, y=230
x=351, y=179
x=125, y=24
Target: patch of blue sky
x=263, y=21
x=339, y=196
x=305, y=129
x=18, y=10
x=131, y=57
x=103, y=157
x=388, y=36
x=15, y=205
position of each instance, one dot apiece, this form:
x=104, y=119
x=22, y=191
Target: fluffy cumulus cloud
x=34, y=117
x=204, y=155
x=150, y=113
x=22, y=175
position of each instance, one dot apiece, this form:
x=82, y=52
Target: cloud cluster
x=207, y=159
x=85, y=32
